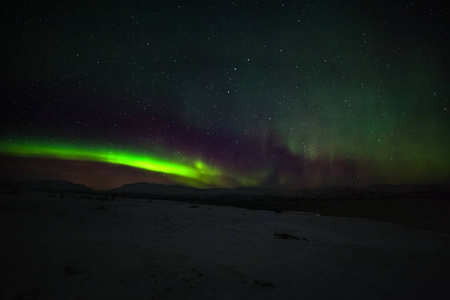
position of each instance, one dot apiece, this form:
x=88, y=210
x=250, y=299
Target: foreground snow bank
x=72, y=248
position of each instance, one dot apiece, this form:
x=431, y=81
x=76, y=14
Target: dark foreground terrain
x=425, y=207
x=421, y=206
x=427, y=214
x=57, y=245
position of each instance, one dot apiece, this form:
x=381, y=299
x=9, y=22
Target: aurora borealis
x=282, y=94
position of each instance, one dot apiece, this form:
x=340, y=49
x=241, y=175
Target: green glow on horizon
x=197, y=173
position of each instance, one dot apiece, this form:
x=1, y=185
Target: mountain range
x=149, y=190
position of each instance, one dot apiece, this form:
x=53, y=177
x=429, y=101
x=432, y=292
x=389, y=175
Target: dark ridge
x=421, y=206
x=382, y=191
x=46, y=186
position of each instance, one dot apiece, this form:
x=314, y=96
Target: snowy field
x=71, y=248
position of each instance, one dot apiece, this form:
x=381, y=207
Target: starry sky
x=272, y=94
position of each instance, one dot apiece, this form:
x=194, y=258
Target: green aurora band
x=196, y=174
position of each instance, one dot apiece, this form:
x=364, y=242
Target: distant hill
x=46, y=185
x=152, y=190
x=382, y=191
x=143, y=188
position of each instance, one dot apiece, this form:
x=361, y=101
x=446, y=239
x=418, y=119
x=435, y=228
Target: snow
x=74, y=248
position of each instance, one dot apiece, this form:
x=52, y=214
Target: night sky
x=273, y=94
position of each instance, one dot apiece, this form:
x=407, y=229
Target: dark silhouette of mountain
x=151, y=190
x=46, y=186
x=381, y=191
x=422, y=206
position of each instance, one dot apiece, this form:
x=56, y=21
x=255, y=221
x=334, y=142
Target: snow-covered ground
x=73, y=248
